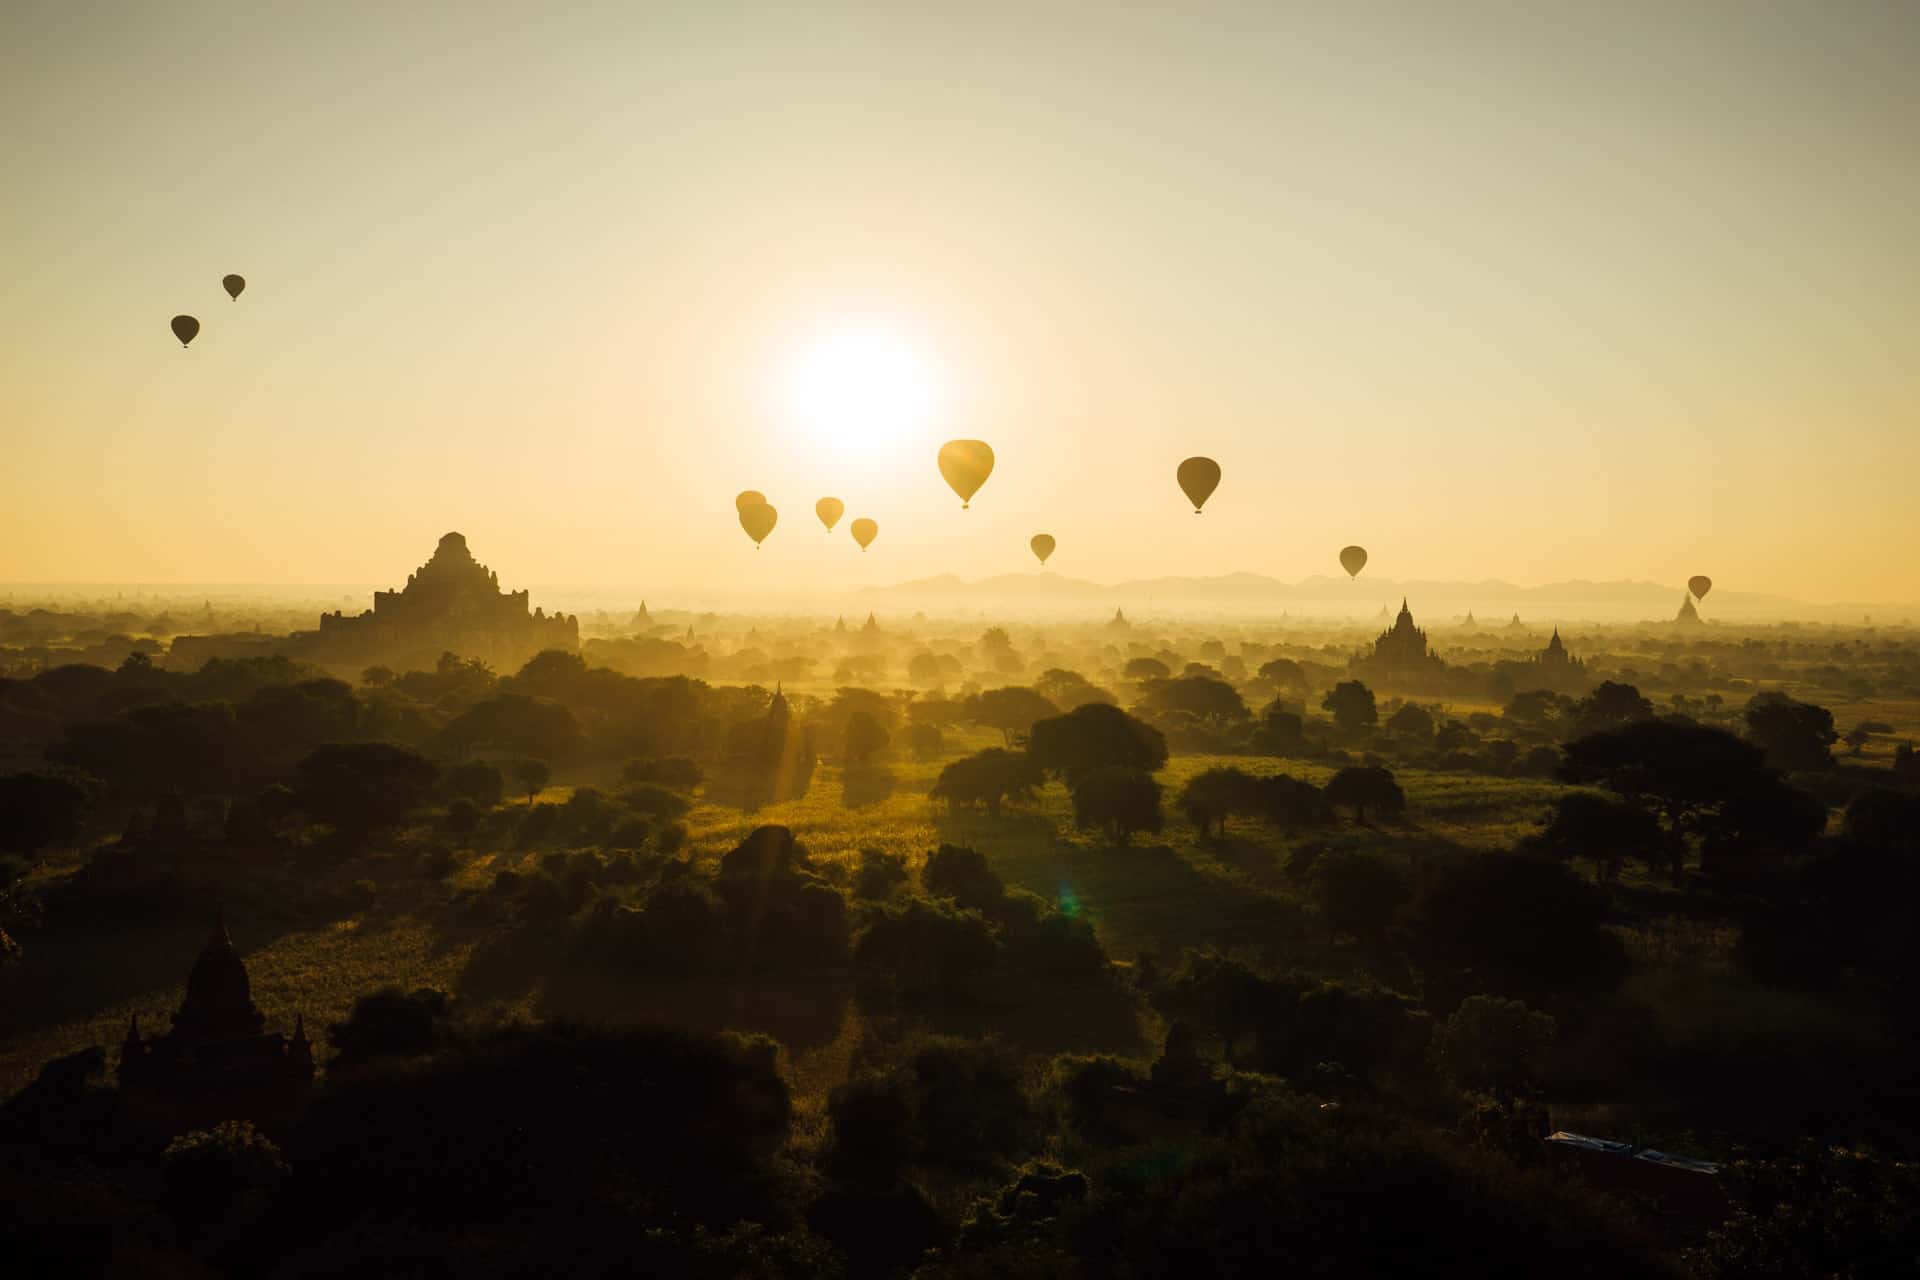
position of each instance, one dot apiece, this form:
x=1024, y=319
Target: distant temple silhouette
x=1401, y=651
x=451, y=603
x=1688, y=615
x=218, y=1062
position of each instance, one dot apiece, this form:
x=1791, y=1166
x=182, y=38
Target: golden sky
x=1520, y=290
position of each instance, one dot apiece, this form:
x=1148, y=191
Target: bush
x=656, y=802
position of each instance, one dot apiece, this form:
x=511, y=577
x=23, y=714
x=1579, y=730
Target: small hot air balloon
x=233, y=285
x=758, y=520
x=749, y=498
x=1198, y=477
x=966, y=464
x=864, y=531
x=1353, y=560
x=185, y=328
x=1042, y=545
x=829, y=510
x=1699, y=584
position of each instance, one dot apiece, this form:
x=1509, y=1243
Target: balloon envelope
x=1353, y=560
x=864, y=531
x=1699, y=584
x=233, y=285
x=749, y=498
x=185, y=328
x=829, y=510
x=1042, y=545
x=1199, y=477
x=966, y=464
x=758, y=520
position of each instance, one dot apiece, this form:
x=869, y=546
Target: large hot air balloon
x=966, y=464
x=758, y=520
x=864, y=531
x=1042, y=545
x=1199, y=477
x=1353, y=560
x=829, y=510
x=749, y=498
x=1699, y=584
x=233, y=285
x=185, y=328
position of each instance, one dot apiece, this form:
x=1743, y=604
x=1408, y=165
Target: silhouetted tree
x=1144, y=669
x=1495, y=1046
x=1795, y=735
x=988, y=778
x=1280, y=733
x=1520, y=926
x=1069, y=689
x=1358, y=893
x=477, y=781
x=41, y=809
x=533, y=776
x=1210, y=798
x=1096, y=736
x=866, y=737
x=953, y=871
x=1117, y=799
x=1011, y=710
x=1293, y=805
x=1678, y=770
x=1603, y=830
x=1203, y=697
x=1350, y=703
x=1611, y=705
x=1367, y=789
x=361, y=787
x=1413, y=720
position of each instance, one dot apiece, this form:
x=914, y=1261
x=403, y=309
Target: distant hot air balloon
x=1353, y=560
x=749, y=498
x=1699, y=584
x=1199, y=477
x=1042, y=545
x=185, y=328
x=966, y=464
x=758, y=520
x=829, y=510
x=864, y=531
x=234, y=284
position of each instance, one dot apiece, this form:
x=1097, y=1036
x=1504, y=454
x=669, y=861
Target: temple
x=1400, y=653
x=452, y=603
x=1688, y=615
x=218, y=1062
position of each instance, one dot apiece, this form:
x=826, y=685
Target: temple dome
x=219, y=999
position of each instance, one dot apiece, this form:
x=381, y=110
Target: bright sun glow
x=859, y=390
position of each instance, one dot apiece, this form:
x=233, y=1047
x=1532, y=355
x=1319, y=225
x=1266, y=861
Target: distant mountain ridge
x=1490, y=600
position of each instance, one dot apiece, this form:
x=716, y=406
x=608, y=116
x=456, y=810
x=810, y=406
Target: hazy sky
x=1529, y=290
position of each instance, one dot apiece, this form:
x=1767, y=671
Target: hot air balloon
x=185, y=328
x=749, y=498
x=829, y=510
x=1699, y=584
x=233, y=285
x=758, y=520
x=1042, y=545
x=966, y=464
x=864, y=531
x=1199, y=477
x=1353, y=560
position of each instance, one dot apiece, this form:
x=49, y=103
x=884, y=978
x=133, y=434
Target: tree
x=1412, y=720
x=361, y=787
x=1204, y=697
x=1880, y=818
x=41, y=809
x=1284, y=673
x=1068, y=689
x=1144, y=669
x=866, y=737
x=534, y=726
x=1350, y=703
x=1210, y=798
x=1358, y=893
x=988, y=778
x=1858, y=737
x=1118, y=799
x=1096, y=736
x=1533, y=706
x=1281, y=733
x=1611, y=705
x=1520, y=926
x=1293, y=805
x=1495, y=1046
x=1797, y=736
x=533, y=776
x=1011, y=710
x=1678, y=770
x=963, y=874
x=1367, y=788
x=1604, y=830
x=655, y=801
x=476, y=781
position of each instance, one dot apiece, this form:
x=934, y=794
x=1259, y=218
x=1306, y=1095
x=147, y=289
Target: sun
x=859, y=389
